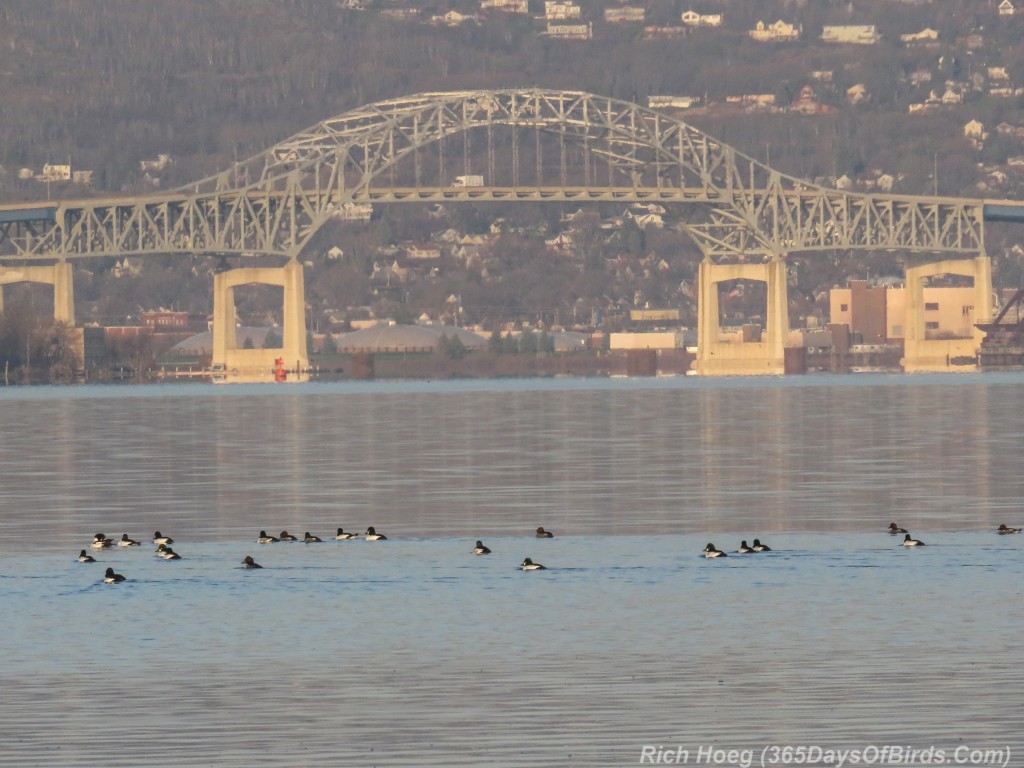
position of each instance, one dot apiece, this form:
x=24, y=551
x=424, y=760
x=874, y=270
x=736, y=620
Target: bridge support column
x=232, y=364
x=723, y=358
x=923, y=354
x=58, y=275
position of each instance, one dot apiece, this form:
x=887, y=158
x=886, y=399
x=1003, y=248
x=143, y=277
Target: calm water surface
x=413, y=652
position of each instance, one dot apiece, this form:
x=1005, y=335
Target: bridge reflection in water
x=514, y=145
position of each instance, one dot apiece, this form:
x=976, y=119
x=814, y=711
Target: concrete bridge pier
x=723, y=358
x=923, y=354
x=235, y=365
x=58, y=275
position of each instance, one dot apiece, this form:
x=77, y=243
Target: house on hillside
x=775, y=32
x=56, y=172
x=624, y=14
x=560, y=10
x=857, y=94
x=1006, y=8
x=400, y=14
x=974, y=132
x=926, y=37
x=452, y=19
x=807, y=103
x=856, y=34
x=672, y=102
x=505, y=6
x=662, y=32
x=570, y=31
x=694, y=19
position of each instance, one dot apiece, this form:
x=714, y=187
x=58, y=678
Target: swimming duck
x=480, y=549
x=167, y=553
x=285, y=536
x=759, y=547
x=529, y=565
x=744, y=549
x=126, y=542
x=909, y=542
x=99, y=541
x=894, y=529
x=342, y=536
x=112, y=578
x=1004, y=530
x=542, y=534
x=372, y=535
x=310, y=538
x=711, y=551
x=264, y=539
x=158, y=538
x=85, y=557
x=250, y=563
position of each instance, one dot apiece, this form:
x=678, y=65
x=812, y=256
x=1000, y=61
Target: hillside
x=109, y=84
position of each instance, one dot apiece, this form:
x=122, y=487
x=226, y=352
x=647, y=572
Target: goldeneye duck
x=126, y=542
x=264, y=539
x=744, y=549
x=894, y=529
x=160, y=539
x=1004, y=530
x=759, y=547
x=99, y=541
x=909, y=542
x=85, y=557
x=167, y=553
x=250, y=563
x=310, y=538
x=542, y=534
x=711, y=551
x=480, y=549
x=112, y=578
x=285, y=536
x=529, y=565
x=372, y=535
x=342, y=536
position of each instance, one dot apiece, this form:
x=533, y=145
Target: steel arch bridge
x=523, y=144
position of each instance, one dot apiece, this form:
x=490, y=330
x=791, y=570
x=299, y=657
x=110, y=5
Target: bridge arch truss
x=525, y=144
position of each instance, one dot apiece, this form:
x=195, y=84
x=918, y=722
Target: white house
x=161, y=162
x=506, y=6
x=857, y=94
x=924, y=37
x=663, y=32
x=672, y=102
x=453, y=19
x=570, y=31
x=778, y=31
x=694, y=19
x=1006, y=8
x=975, y=131
x=53, y=172
x=558, y=10
x=623, y=14
x=857, y=34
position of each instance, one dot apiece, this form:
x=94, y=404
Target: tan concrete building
x=877, y=313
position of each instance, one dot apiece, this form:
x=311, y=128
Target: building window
x=931, y=306
x=844, y=307
x=967, y=309
x=931, y=326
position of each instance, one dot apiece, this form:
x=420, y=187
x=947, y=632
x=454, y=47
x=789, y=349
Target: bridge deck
x=1004, y=210
x=12, y=213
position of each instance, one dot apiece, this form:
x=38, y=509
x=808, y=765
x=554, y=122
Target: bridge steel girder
x=274, y=202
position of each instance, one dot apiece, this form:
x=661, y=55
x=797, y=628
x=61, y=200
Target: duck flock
x=164, y=550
